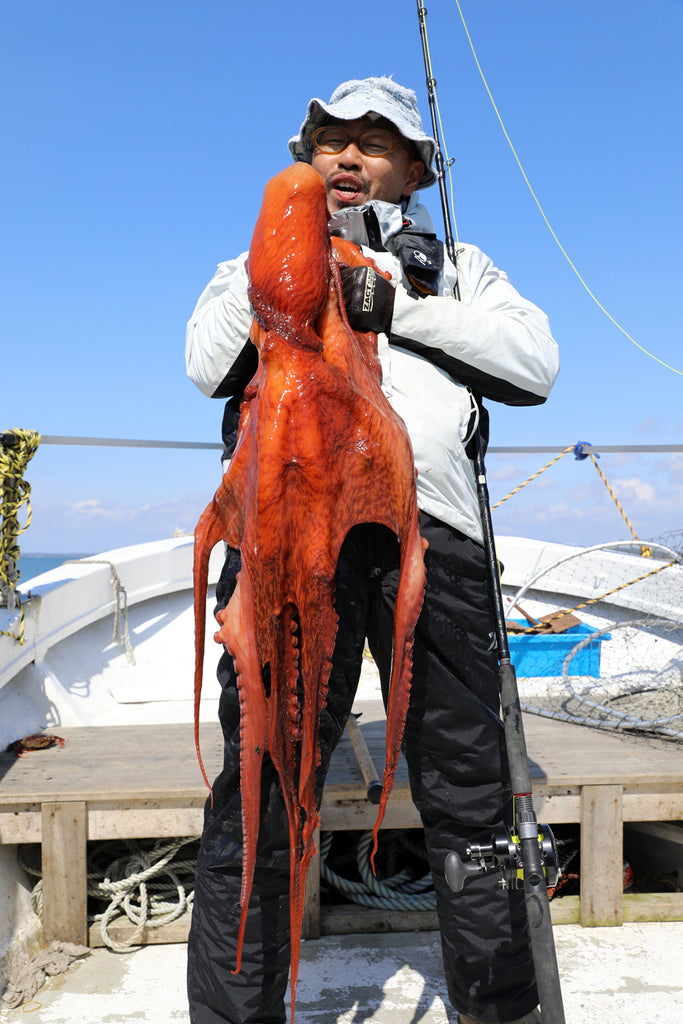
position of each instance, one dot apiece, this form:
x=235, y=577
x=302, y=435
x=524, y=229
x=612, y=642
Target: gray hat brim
x=359, y=104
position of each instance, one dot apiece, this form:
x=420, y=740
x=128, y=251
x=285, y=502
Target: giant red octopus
x=319, y=450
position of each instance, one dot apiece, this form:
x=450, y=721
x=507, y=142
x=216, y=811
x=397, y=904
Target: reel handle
x=458, y=871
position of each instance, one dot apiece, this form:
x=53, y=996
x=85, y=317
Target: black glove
x=368, y=297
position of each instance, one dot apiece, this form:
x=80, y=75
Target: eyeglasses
x=333, y=138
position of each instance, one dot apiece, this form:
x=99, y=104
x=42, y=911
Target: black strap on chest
x=421, y=257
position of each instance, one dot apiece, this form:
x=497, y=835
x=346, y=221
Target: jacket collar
x=390, y=218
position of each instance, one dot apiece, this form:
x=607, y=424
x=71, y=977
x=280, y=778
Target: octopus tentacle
x=238, y=633
x=208, y=532
x=407, y=608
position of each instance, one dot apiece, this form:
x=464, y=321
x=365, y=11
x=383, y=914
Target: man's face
x=352, y=178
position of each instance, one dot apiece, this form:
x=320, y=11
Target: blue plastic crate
x=543, y=654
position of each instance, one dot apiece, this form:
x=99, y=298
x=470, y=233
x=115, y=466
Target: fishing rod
x=438, y=157
x=525, y=855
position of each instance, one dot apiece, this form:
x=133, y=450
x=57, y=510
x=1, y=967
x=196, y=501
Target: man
x=439, y=357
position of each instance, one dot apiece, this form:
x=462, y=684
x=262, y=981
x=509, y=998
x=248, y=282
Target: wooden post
x=65, y=911
x=602, y=856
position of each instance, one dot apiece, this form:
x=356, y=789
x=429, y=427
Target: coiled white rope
x=137, y=885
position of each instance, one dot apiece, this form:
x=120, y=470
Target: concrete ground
x=627, y=975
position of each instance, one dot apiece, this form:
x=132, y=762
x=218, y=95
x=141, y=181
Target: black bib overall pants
x=455, y=751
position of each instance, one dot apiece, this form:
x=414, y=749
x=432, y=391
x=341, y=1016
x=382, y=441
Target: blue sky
x=137, y=137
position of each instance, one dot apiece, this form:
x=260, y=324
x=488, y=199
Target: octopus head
x=289, y=253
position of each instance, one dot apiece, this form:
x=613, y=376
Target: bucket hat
x=362, y=96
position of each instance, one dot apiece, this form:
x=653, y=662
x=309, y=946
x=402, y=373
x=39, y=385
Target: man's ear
x=415, y=172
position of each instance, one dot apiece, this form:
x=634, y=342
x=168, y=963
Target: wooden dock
x=124, y=782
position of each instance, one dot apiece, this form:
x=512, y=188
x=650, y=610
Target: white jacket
x=491, y=341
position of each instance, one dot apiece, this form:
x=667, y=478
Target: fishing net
x=596, y=638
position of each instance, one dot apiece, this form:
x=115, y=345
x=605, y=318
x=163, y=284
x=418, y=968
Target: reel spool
x=502, y=854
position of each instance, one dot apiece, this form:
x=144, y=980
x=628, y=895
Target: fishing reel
x=503, y=854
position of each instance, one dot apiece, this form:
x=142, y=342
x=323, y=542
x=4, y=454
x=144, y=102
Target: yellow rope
x=542, y=212
x=645, y=551
x=622, y=586
x=601, y=597
x=533, y=477
x=16, y=451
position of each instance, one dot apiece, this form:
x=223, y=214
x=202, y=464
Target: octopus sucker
x=319, y=451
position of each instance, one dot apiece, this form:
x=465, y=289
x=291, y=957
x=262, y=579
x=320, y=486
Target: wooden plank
x=152, y=761
x=348, y=919
x=20, y=824
x=565, y=910
x=557, y=806
x=110, y=762
x=343, y=809
x=565, y=753
x=653, y=906
x=148, y=821
x=122, y=931
x=646, y=804
x=602, y=856
x=144, y=781
x=64, y=872
x=349, y=812
x=560, y=751
x=346, y=810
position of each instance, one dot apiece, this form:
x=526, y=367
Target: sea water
x=30, y=566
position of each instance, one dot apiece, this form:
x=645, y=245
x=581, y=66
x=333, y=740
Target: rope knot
x=580, y=453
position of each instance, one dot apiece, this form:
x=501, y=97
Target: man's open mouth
x=347, y=186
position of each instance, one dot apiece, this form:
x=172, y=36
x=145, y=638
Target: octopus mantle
x=319, y=450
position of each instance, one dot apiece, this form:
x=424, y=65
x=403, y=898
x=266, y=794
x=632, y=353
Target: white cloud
x=93, y=525
x=91, y=505
x=504, y=472
x=635, y=489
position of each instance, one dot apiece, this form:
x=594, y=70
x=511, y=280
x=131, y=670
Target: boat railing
x=17, y=447
x=607, y=584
